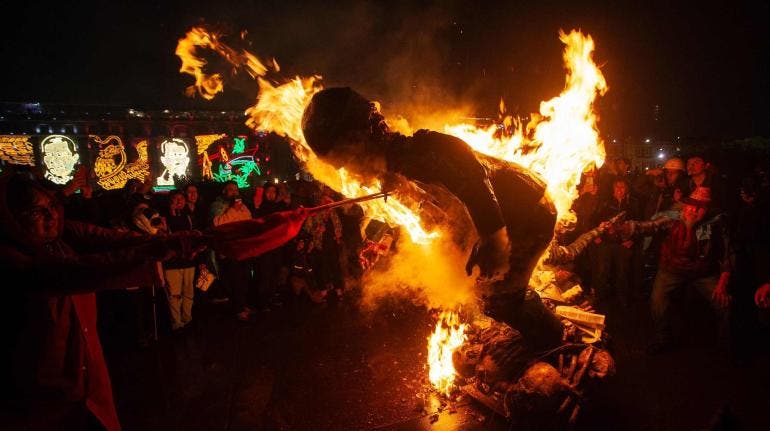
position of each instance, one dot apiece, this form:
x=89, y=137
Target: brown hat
x=700, y=197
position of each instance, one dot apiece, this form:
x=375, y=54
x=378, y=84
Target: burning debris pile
x=496, y=366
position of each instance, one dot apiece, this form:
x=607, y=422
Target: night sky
x=706, y=67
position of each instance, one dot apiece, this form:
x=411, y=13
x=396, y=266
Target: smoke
x=432, y=275
x=407, y=56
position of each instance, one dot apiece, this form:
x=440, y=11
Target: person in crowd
x=586, y=208
x=351, y=218
x=301, y=275
x=667, y=187
x=751, y=239
x=195, y=208
x=267, y=200
x=325, y=229
x=613, y=270
x=605, y=175
x=78, y=199
x=136, y=300
x=703, y=174
x=696, y=253
x=586, y=205
x=119, y=204
x=179, y=272
x=662, y=189
x=228, y=208
x=55, y=377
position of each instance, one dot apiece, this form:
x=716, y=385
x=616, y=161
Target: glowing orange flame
x=279, y=109
x=209, y=85
x=562, y=141
x=448, y=336
x=391, y=210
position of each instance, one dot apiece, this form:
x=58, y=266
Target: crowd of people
x=686, y=227
x=678, y=228
x=313, y=268
x=144, y=253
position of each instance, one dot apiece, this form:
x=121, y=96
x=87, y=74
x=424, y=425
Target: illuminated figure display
x=111, y=167
x=60, y=155
x=238, y=165
x=16, y=150
x=175, y=157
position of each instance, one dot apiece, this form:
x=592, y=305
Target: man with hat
x=669, y=184
x=696, y=254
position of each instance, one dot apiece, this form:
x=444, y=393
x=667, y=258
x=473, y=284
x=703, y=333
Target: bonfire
x=533, y=345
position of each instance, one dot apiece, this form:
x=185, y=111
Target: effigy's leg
x=530, y=222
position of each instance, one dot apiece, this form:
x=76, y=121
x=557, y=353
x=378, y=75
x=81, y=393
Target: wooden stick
x=572, y=366
x=313, y=210
x=582, y=371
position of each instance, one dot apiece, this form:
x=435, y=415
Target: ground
x=337, y=368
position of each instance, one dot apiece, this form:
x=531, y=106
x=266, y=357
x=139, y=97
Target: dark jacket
x=56, y=364
x=179, y=223
x=612, y=207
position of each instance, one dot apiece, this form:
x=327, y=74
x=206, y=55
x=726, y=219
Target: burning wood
x=496, y=367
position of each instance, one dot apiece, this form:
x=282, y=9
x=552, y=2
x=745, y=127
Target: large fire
x=562, y=141
x=559, y=144
x=279, y=109
x=448, y=335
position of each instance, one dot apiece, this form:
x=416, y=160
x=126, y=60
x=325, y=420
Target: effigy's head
x=341, y=126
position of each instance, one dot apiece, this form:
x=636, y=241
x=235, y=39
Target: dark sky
x=707, y=67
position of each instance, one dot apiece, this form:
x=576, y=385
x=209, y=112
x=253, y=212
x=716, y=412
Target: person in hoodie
x=55, y=376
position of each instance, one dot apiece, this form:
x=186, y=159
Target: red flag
x=250, y=238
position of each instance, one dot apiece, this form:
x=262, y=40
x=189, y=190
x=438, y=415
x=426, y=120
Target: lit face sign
x=60, y=155
x=111, y=165
x=175, y=158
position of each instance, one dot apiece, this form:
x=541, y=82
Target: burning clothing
x=506, y=203
x=345, y=129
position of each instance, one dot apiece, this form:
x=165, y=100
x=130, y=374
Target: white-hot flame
x=448, y=335
x=563, y=140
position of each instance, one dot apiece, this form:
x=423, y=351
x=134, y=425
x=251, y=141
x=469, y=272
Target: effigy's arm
x=562, y=254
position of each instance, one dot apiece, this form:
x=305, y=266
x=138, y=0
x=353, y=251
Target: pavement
x=341, y=368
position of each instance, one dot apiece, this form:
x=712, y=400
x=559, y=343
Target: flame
x=448, y=336
x=562, y=140
x=279, y=109
x=209, y=85
x=391, y=210
x=559, y=143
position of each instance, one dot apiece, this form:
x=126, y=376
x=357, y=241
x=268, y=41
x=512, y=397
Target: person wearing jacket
x=696, y=253
x=229, y=208
x=179, y=272
x=56, y=376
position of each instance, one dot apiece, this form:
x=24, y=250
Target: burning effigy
x=479, y=209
